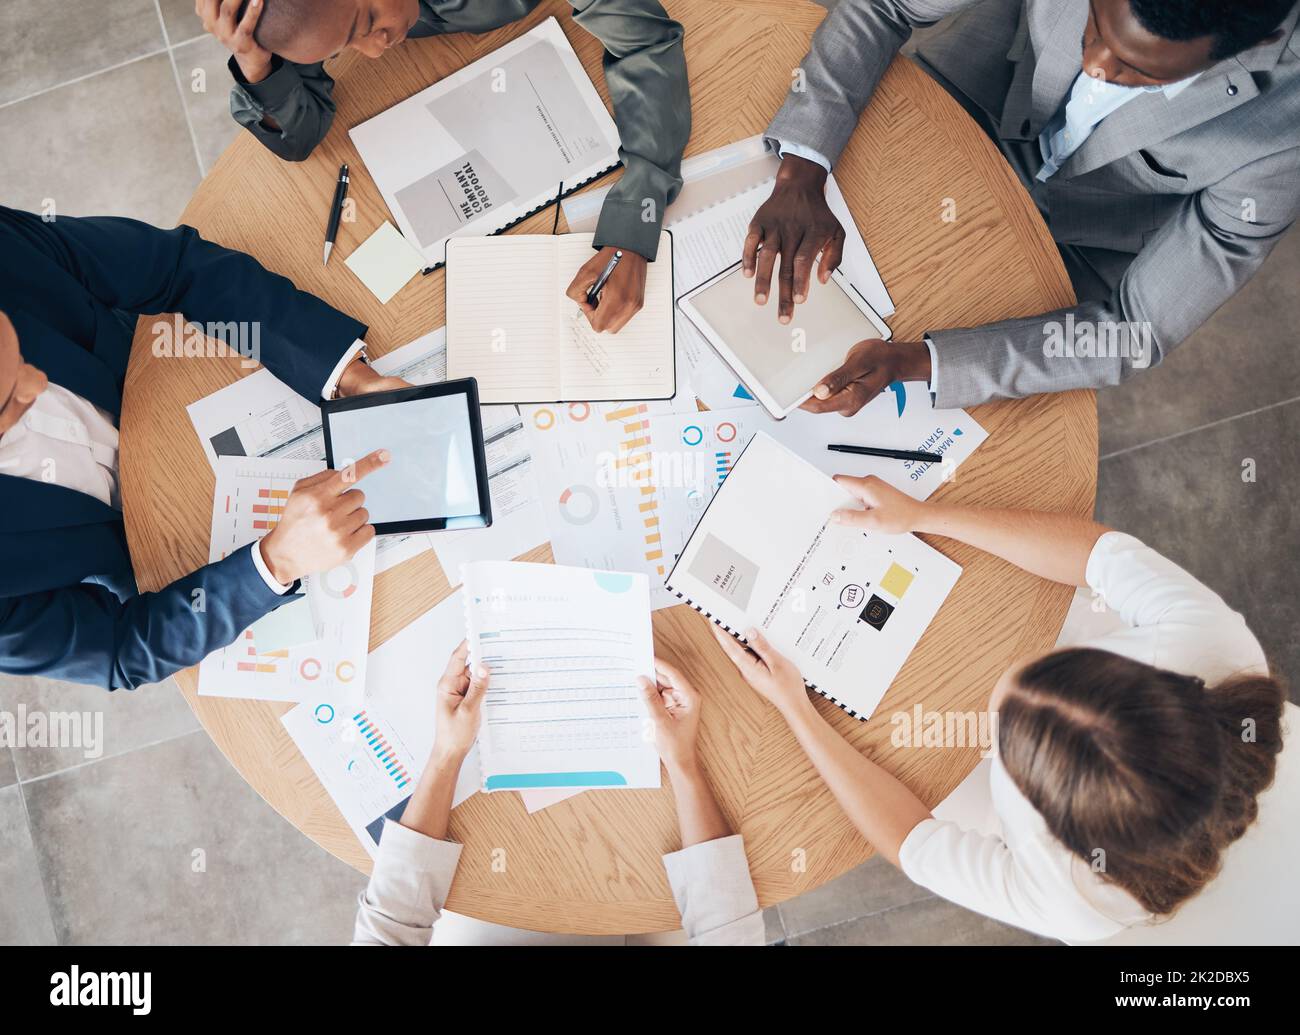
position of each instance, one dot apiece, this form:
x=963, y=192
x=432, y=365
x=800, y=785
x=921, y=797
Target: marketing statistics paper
x=260, y=416
x=369, y=756
x=249, y=500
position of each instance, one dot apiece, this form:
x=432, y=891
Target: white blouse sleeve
x=979, y=872
x=1175, y=621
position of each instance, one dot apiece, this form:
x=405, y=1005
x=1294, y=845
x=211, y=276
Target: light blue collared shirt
x=1091, y=100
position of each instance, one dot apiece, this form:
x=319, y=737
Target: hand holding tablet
x=437, y=476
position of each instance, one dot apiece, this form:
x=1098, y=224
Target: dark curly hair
x=1235, y=26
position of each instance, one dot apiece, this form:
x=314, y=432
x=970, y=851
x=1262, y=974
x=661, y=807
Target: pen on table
x=336, y=210
x=593, y=296
x=889, y=454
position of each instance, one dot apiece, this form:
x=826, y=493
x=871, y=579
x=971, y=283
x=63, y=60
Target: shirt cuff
x=785, y=147
x=259, y=562
x=711, y=884
x=332, y=384
x=272, y=91
x=934, y=367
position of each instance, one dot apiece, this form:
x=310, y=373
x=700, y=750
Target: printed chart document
x=370, y=756
x=565, y=647
x=479, y=150
x=249, y=500
x=709, y=219
x=511, y=325
x=845, y=605
x=600, y=500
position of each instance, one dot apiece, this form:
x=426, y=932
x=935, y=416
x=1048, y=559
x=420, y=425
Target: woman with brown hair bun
x=1124, y=765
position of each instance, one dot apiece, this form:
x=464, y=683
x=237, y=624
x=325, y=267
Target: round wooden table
x=592, y=864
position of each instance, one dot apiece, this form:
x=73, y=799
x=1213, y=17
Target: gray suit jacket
x=645, y=70
x=1171, y=205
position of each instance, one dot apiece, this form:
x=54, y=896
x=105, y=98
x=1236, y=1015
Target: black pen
x=336, y=210
x=889, y=454
x=593, y=296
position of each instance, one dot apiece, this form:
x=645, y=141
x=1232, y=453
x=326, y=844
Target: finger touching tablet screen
x=437, y=477
x=781, y=363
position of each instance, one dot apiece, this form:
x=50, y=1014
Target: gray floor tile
x=1186, y=498
x=181, y=21
x=116, y=723
x=874, y=886
x=118, y=843
x=114, y=144
x=45, y=44
x=8, y=771
x=1243, y=358
x=24, y=914
x=209, y=108
x=933, y=921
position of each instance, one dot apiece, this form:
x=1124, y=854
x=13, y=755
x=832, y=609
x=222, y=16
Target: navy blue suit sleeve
x=84, y=634
x=138, y=268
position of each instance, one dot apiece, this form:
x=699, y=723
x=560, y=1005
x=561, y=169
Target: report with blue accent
x=565, y=647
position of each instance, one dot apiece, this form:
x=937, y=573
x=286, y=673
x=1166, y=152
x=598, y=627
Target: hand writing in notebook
x=622, y=296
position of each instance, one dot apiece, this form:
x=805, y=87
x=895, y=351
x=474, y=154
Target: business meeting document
x=265, y=662
x=369, y=756
x=600, y=499
x=482, y=148
x=565, y=647
x=846, y=606
x=709, y=219
x=511, y=325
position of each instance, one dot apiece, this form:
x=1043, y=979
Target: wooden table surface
x=592, y=864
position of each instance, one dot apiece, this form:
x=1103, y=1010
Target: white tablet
x=780, y=364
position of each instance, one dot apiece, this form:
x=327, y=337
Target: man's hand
x=460, y=700
x=359, y=378
x=324, y=522
x=674, y=707
x=622, y=296
x=218, y=17
x=887, y=510
x=796, y=224
x=868, y=368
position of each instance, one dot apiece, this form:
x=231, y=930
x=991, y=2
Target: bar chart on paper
x=313, y=647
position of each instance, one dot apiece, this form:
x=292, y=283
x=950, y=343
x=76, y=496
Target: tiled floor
x=120, y=107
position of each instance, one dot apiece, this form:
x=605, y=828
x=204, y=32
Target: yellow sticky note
x=896, y=580
x=385, y=262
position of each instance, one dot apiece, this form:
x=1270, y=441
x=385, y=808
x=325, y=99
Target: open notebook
x=511, y=326
x=845, y=605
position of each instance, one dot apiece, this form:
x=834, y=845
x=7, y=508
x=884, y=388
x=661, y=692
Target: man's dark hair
x=281, y=21
x=1235, y=26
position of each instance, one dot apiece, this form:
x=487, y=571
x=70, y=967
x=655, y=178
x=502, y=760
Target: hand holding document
x=565, y=648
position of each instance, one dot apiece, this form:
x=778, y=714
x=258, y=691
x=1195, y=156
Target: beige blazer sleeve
x=407, y=889
x=715, y=893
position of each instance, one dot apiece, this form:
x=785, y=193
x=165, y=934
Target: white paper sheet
x=565, y=647
x=249, y=498
x=369, y=758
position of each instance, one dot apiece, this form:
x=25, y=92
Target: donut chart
x=579, y=505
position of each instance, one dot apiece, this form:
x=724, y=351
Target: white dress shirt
x=997, y=856
x=413, y=874
x=69, y=441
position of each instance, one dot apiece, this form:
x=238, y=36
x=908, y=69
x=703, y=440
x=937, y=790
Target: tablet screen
x=432, y=472
x=786, y=359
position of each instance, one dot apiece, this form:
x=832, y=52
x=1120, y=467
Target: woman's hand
x=767, y=670
x=459, y=706
x=887, y=509
x=674, y=707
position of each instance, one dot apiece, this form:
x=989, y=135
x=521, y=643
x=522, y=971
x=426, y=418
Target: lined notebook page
x=635, y=363
x=502, y=308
